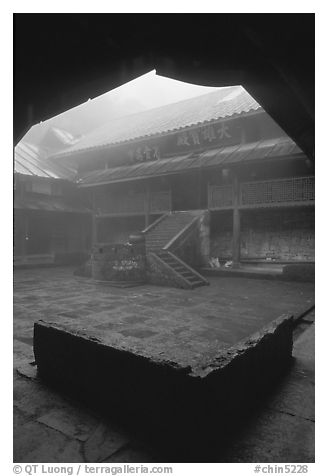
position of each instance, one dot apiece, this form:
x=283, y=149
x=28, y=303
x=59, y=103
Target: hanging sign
x=211, y=135
x=144, y=154
x=205, y=135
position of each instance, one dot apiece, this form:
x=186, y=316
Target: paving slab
x=103, y=443
x=135, y=453
x=28, y=370
x=34, y=442
x=69, y=423
x=274, y=438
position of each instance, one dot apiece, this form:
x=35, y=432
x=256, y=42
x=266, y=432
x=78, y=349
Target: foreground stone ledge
x=200, y=401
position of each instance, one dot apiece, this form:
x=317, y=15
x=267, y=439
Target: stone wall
x=118, y=262
x=221, y=234
x=204, y=236
x=188, y=247
x=286, y=235
x=194, y=247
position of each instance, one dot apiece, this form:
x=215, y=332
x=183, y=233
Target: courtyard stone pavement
x=49, y=427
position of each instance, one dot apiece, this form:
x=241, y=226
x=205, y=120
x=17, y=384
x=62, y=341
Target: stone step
x=158, y=240
x=193, y=279
x=171, y=224
x=164, y=234
x=167, y=231
x=179, y=268
x=157, y=247
x=171, y=263
x=187, y=276
x=197, y=284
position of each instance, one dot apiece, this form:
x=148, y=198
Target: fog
x=146, y=92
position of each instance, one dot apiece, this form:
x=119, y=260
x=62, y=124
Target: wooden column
x=236, y=225
x=147, y=205
x=24, y=235
x=94, y=229
x=94, y=237
x=199, y=198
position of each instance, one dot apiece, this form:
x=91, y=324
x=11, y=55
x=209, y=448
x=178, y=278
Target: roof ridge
x=180, y=113
x=164, y=106
x=126, y=116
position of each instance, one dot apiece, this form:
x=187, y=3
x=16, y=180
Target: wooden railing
x=220, y=197
x=136, y=204
x=125, y=205
x=268, y=193
x=291, y=191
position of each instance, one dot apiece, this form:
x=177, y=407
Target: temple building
x=209, y=177
x=51, y=219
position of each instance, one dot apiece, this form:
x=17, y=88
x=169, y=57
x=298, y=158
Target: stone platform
x=186, y=363
x=196, y=396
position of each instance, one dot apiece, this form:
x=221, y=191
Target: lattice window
x=123, y=204
x=129, y=204
x=295, y=189
x=220, y=196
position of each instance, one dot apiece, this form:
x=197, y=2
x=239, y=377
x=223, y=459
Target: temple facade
x=51, y=220
x=218, y=160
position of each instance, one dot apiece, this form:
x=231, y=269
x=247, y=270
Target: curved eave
x=79, y=152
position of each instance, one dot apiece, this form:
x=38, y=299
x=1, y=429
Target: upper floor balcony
x=293, y=191
x=287, y=192
x=135, y=204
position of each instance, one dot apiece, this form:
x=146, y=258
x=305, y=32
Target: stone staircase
x=189, y=275
x=165, y=229
x=163, y=232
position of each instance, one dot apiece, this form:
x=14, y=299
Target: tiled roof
x=265, y=149
x=30, y=160
x=64, y=136
x=224, y=102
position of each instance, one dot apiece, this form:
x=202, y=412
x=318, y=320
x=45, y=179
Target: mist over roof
x=200, y=110
x=146, y=92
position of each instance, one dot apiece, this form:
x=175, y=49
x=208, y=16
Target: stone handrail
x=155, y=223
x=175, y=241
x=192, y=270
